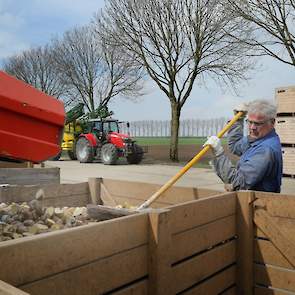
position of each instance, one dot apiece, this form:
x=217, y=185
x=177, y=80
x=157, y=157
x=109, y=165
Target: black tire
x=84, y=151
x=136, y=156
x=56, y=158
x=109, y=154
x=72, y=154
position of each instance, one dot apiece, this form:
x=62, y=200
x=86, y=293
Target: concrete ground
x=74, y=172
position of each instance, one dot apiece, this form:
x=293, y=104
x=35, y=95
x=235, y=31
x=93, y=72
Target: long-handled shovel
x=196, y=158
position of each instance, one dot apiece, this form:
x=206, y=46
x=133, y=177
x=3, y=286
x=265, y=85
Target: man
x=260, y=165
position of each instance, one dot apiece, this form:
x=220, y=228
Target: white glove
x=243, y=107
x=215, y=144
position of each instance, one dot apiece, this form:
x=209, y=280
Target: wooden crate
x=285, y=98
x=189, y=247
x=285, y=127
x=32, y=176
x=288, y=160
x=274, y=244
x=228, y=243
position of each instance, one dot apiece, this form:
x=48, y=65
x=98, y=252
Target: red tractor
x=104, y=141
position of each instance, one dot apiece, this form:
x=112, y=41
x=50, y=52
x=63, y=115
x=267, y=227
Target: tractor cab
x=105, y=126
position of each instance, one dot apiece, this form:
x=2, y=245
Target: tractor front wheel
x=109, y=154
x=84, y=151
x=136, y=155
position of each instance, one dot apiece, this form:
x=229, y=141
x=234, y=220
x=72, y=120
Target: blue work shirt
x=260, y=165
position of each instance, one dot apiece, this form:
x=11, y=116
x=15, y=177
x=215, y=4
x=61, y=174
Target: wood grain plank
x=278, y=234
x=266, y=291
x=139, y=288
x=266, y=253
x=216, y=284
x=199, y=212
x=195, y=240
x=142, y=191
x=26, y=193
x=275, y=277
x=36, y=257
x=277, y=206
x=97, y=277
x=198, y=268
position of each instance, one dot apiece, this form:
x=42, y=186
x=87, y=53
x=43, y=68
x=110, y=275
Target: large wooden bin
x=189, y=247
x=225, y=243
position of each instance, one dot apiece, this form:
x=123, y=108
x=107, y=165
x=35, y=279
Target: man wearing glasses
x=260, y=165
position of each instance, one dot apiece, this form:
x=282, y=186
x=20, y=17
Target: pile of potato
x=26, y=219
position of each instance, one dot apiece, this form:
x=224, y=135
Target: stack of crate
x=285, y=127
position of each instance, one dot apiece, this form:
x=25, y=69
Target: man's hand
x=215, y=144
x=241, y=108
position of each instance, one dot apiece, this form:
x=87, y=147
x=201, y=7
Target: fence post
x=245, y=243
x=159, y=264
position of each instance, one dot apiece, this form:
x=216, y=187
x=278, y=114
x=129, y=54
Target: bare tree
x=35, y=67
x=94, y=71
x=274, y=21
x=179, y=41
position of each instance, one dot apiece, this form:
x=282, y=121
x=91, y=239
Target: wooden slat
x=276, y=205
x=97, y=277
x=258, y=233
x=278, y=234
x=285, y=98
x=32, y=258
x=198, y=268
x=285, y=127
x=142, y=191
x=288, y=160
x=266, y=253
x=266, y=291
x=23, y=176
x=274, y=276
x=245, y=242
x=53, y=193
x=231, y=291
x=199, y=212
x=6, y=289
x=216, y=284
x=140, y=288
x=200, y=238
x=135, y=202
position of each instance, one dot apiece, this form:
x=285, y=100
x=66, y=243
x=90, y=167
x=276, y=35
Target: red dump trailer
x=31, y=122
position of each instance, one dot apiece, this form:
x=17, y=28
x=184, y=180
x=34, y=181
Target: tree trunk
x=175, y=115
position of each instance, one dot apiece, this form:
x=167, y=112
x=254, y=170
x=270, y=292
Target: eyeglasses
x=257, y=124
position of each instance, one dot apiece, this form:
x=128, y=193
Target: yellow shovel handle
x=196, y=158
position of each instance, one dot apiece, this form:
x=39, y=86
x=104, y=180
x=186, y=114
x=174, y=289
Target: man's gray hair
x=263, y=107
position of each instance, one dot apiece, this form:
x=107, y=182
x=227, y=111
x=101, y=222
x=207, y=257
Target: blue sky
x=29, y=23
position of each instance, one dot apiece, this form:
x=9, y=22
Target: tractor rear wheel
x=136, y=156
x=84, y=151
x=109, y=154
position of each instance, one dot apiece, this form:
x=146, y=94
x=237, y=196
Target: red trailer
x=31, y=122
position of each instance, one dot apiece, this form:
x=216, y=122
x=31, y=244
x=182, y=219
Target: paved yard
x=73, y=172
